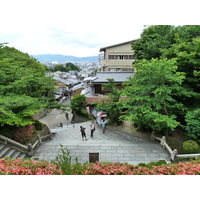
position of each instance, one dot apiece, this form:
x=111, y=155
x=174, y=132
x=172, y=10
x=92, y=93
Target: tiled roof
x=105, y=99
x=103, y=48
x=66, y=81
x=92, y=100
x=119, y=77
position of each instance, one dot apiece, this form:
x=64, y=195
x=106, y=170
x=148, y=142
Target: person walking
x=82, y=129
x=67, y=116
x=92, y=128
x=104, y=124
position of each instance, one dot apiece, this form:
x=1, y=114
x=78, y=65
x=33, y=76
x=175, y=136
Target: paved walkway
x=112, y=146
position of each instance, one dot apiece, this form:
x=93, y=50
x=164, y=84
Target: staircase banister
x=13, y=142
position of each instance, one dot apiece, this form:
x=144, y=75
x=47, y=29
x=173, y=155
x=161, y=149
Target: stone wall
x=40, y=114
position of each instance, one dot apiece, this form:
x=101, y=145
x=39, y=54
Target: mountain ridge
x=44, y=58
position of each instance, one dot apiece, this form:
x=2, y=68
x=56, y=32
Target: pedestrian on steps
x=82, y=129
x=92, y=128
x=104, y=124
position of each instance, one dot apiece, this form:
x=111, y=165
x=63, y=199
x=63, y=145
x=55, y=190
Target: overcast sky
x=79, y=27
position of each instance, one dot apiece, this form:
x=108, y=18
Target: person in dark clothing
x=82, y=129
x=67, y=116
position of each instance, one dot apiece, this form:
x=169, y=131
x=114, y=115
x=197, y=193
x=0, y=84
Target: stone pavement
x=112, y=146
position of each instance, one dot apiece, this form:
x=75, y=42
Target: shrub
x=27, y=167
x=63, y=161
x=78, y=103
x=190, y=146
x=193, y=125
x=38, y=125
x=24, y=134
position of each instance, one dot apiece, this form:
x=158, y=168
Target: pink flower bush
x=187, y=168
x=31, y=167
x=27, y=167
x=24, y=134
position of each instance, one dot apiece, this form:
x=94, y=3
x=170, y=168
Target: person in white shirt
x=92, y=128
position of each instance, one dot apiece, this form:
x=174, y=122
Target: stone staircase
x=8, y=151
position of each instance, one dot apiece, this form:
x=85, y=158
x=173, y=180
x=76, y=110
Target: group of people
x=92, y=128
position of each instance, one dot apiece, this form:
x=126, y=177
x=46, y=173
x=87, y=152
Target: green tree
x=193, y=125
x=152, y=41
x=180, y=42
x=151, y=95
x=71, y=67
x=78, y=103
x=186, y=52
x=60, y=68
x=24, y=88
x=183, y=44
x=112, y=106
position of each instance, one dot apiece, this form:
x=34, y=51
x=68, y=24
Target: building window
x=130, y=57
x=120, y=57
x=111, y=57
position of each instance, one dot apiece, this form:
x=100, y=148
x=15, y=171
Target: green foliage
x=193, y=125
x=71, y=67
x=64, y=161
x=181, y=43
x=112, y=107
x=16, y=110
x=151, y=103
x=78, y=103
x=68, y=67
x=152, y=41
x=151, y=164
x=190, y=146
x=24, y=88
x=38, y=125
x=113, y=92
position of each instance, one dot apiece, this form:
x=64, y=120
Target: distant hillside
x=44, y=58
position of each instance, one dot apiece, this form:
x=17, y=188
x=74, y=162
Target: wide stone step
x=21, y=155
x=1, y=146
x=15, y=154
x=3, y=151
x=7, y=151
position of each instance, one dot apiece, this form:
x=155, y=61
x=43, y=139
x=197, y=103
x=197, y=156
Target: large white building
x=117, y=57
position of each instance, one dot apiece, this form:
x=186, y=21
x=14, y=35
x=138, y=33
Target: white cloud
x=75, y=27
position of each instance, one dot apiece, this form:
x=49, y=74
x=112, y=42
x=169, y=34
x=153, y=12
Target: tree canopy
x=180, y=42
x=166, y=85
x=24, y=88
x=68, y=67
x=113, y=107
x=151, y=103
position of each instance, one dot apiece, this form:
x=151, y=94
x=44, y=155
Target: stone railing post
x=163, y=141
x=30, y=149
x=152, y=136
x=39, y=139
x=174, y=155
x=50, y=135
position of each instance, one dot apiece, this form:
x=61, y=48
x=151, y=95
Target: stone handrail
x=173, y=154
x=8, y=140
x=29, y=149
x=164, y=144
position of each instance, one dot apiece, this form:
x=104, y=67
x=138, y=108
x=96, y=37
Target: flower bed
x=27, y=167
x=187, y=168
x=30, y=167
